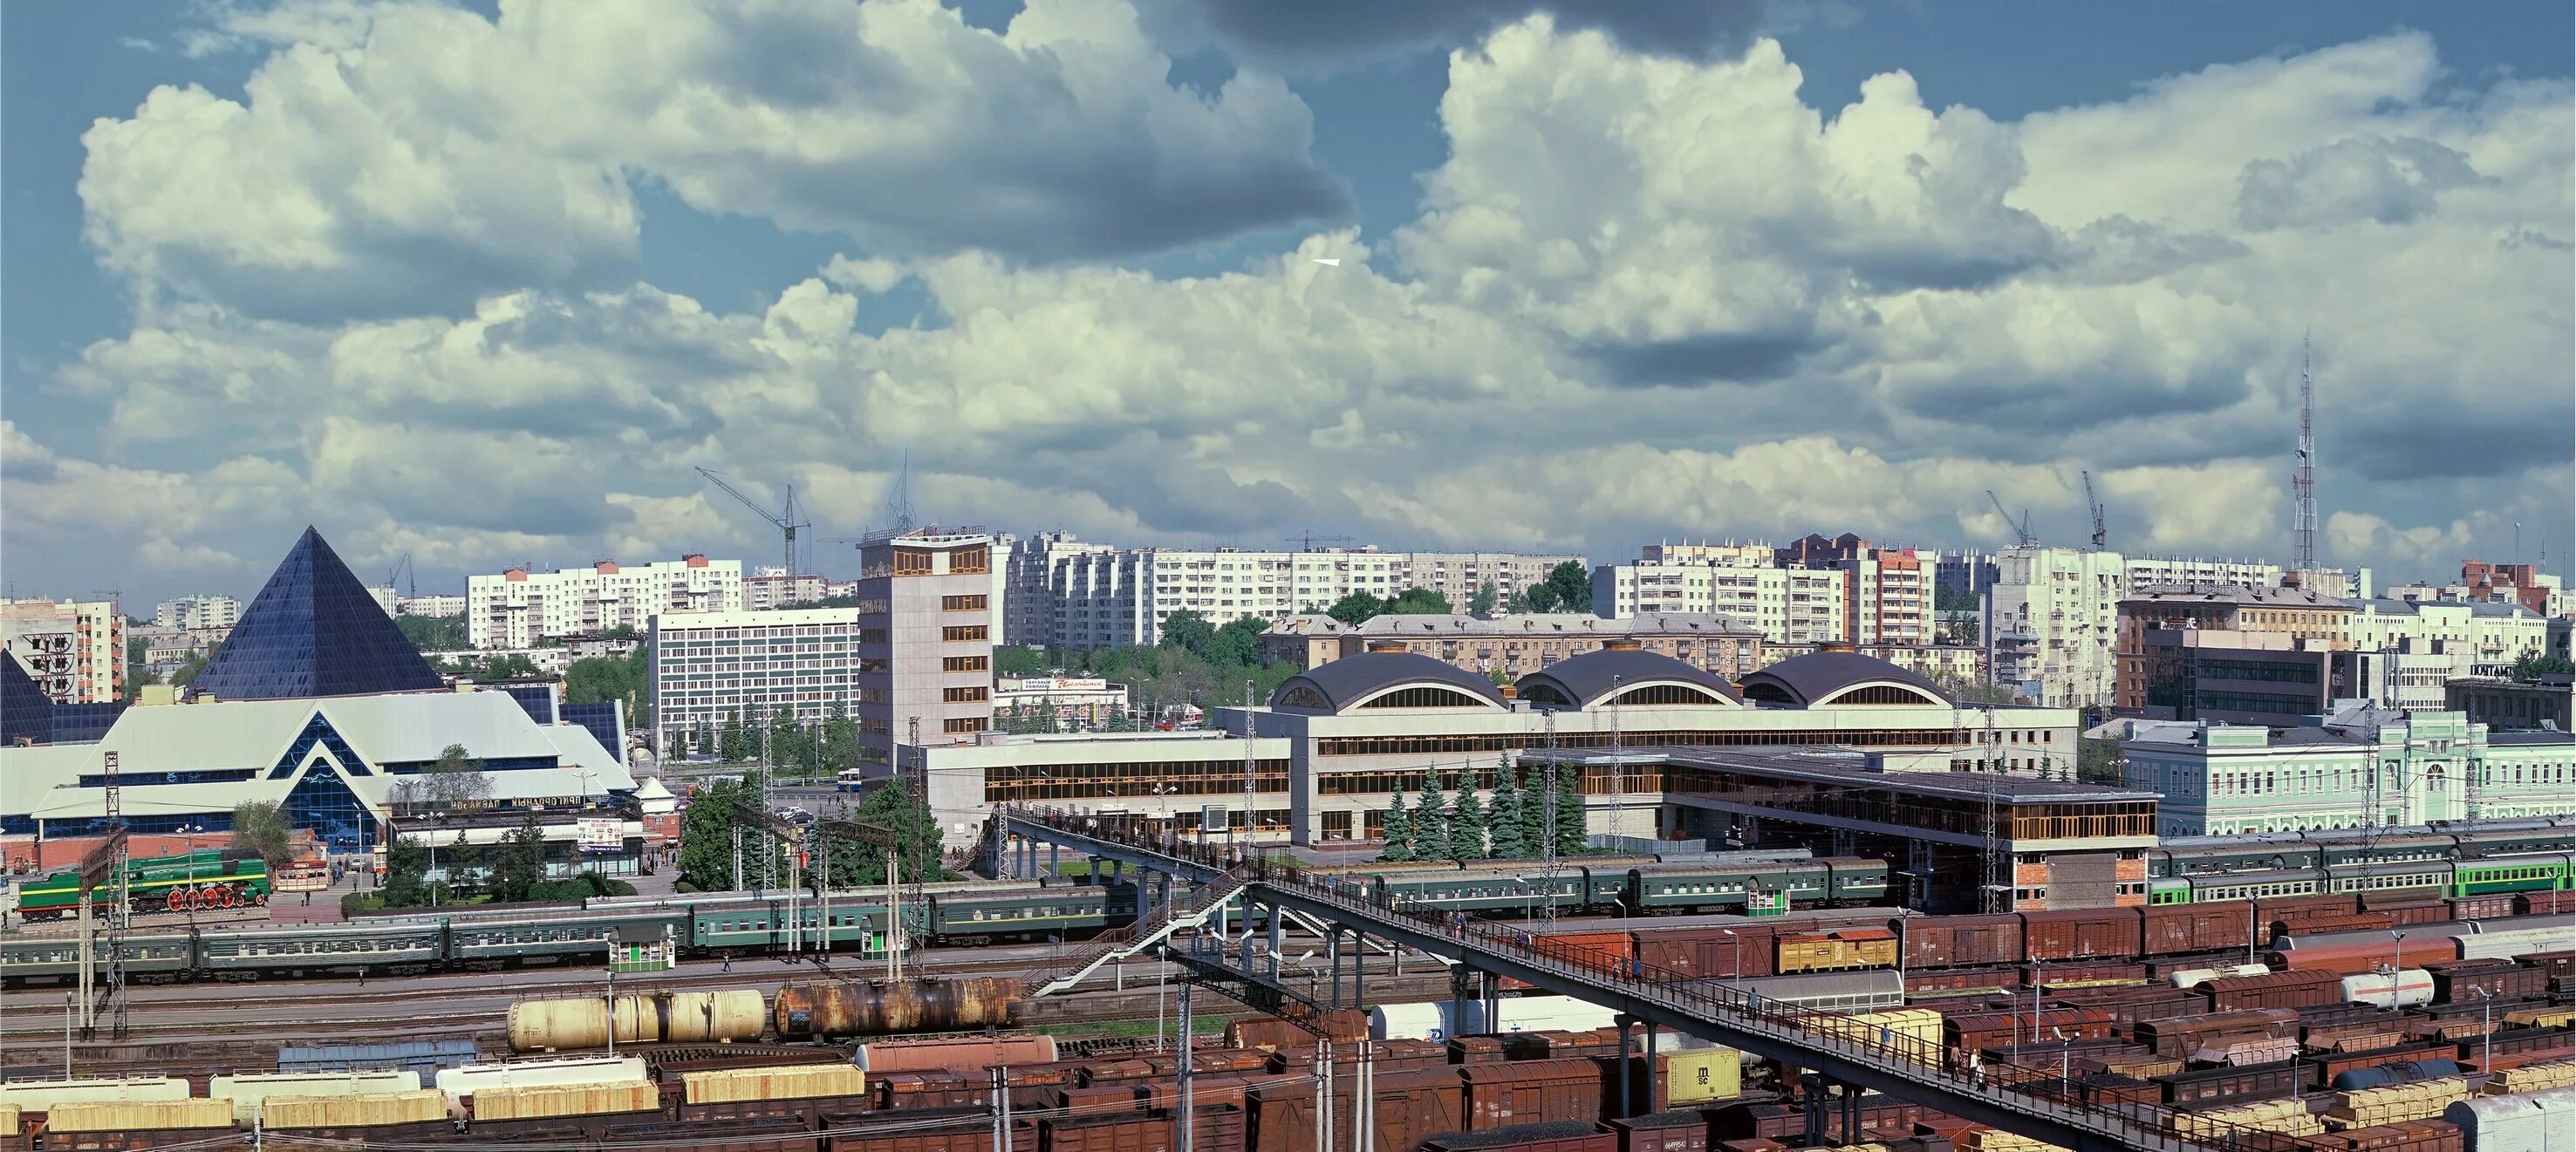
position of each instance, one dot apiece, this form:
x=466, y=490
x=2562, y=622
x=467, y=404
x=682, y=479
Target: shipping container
x=1701, y=1077
x=2085, y=934
x=2292, y=989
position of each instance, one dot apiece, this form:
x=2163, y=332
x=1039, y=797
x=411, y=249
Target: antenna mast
x=900, y=502
x=2303, y=483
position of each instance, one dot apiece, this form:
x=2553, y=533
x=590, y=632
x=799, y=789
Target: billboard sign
x=602, y=834
x=1212, y=820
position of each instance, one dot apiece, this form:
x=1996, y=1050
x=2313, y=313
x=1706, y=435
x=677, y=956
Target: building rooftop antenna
x=899, y=503
x=2303, y=482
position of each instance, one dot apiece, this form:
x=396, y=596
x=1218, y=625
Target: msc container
x=1560, y=1136
x=247, y=1091
x=823, y=1009
x=44, y=1095
x=1531, y=1092
x=2403, y=989
x=352, y=1111
x=1959, y=941
x=565, y=1100
x=134, y=1115
x=2529, y=1121
x=2292, y=989
x=2082, y=934
x=1685, y=1131
x=795, y=1082
x=965, y=1053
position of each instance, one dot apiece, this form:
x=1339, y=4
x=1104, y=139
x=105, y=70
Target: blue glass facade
x=313, y=630
x=85, y=723
x=605, y=719
x=323, y=802
x=537, y=700
x=26, y=714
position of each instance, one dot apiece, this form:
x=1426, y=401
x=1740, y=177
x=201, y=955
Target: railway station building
x=1336, y=743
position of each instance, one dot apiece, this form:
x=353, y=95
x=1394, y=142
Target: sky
x=481, y=285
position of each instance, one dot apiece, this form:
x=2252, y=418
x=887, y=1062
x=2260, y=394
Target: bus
x=852, y=780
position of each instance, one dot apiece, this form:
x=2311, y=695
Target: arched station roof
x=1826, y=679
x=1385, y=680
x=1637, y=676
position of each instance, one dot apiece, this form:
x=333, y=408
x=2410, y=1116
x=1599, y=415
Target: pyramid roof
x=313, y=630
x=25, y=711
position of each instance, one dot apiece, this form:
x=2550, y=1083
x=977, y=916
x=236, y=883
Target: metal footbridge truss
x=2026, y=1099
x=1188, y=910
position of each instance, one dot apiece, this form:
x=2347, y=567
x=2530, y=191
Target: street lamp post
x=612, y=1001
x=2065, y=1049
x=2486, y=1017
x=68, y=998
x=189, y=890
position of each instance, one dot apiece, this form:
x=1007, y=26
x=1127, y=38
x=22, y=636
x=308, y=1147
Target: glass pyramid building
x=313, y=631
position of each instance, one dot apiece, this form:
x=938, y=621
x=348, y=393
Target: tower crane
x=2021, y=527
x=784, y=519
x=1306, y=541
x=2101, y=531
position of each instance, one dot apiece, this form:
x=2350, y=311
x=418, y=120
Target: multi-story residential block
x=775, y=587
x=396, y=604
x=1964, y=570
x=75, y=649
x=2349, y=584
x=709, y=667
x=1514, y=646
x=518, y=608
x=2479, y=638
x=1304, y=641
x=1784, y=605
x=1887, y=592
x=1089, y=596
x=2145, y=570
x=2523, y=584
x=209, y=617
x=2362, y=767
x=1058, y=703
x=2051, y=624
x=1732, y=553
x=926, y=611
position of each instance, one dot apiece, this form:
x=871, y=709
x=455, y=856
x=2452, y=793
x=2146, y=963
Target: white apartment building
x=517, y=608
x=396, y=604
x=1965, y=569
x=2144, y=570
x=2052, y=623
x=208, y=616
x=1785, y=605
x=75, y=650
x=775, y=587
x=2479, y=638
x=1090, y=595
x=709, y=666
x=2362, y=767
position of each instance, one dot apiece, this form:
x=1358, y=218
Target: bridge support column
x=1623, y=1020
x=1333, y=949
x=1851, y=1114
x=1811, y=1092
x=1095, y=871
x=1652, y=1103
x=1276, y=939
x=1055, y=860
x=1459, y=975
x=1359, y=967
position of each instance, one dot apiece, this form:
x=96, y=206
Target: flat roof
x=1848, y=767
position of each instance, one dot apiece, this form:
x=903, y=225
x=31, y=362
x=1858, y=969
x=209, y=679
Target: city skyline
x=269, y=267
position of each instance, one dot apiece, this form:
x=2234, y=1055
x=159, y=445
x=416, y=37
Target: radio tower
x=2303, y=483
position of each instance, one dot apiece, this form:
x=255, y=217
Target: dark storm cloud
x=2444, y=441
x=1327, y=33
x=1749, y=358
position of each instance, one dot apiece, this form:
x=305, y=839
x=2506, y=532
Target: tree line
x=1510, y=824
x=721, y=808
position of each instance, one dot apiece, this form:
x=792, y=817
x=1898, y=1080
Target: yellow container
x=565, y=1100
x=2533, y=1078
x=247, y=1091
x=2540, y=1017
x=140, y=1115
x=8, y=1119
x=353, y=1111
x=794, y=1082
x=1702, y=1075
x=1998, y=1140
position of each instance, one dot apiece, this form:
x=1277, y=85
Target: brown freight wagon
x=2185, y=929
x=1531, y=1092
x=2184, y=1035
x=1102, y=1099
x=2321, y=1069
x=2519, y=1040
x=2064, y=975
x=1136, y=1132
x=1702, y=953
x=930, y=1091
x=969, y=1131
x=1607, y=951
x=2546, y=903
x=1209, y=1090
x=2486, y=907
x=133, y=1140
x=957, y=1053
x=803, y=1110
x=2235, y=1083
x=2083, y=934
x=1402, y=1055
x=1681, y=1131
x=1974, y=1031
x=1551, y=1044
x=2500, y=983
x=1959, y=941
x=2297, y=988
x=1410, y=1105
x=1879, y=1114
x=1839, y=950
x=768, y=1135
x=1036, y=1085
x=1945, y=982
x=558, y=1130
x=2404, y=1136
x=1559, y=1136
x=2103, y=1089
x=1218, y=1129
x=1478, y=1049
x=2161, y=969
x=2127, y=1006
x=359, y=1134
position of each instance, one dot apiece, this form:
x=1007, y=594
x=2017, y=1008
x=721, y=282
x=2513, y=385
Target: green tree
x=1187, y=631
x=706, y=838
x=260, y=828
x=1417, y=602
x=455, y=778
x=1430, y=819
x=1498, y=673
x=892, y=806
x=1533, y=810
x=186, y=673
x=434, y=633
x=1571, y=828
x=733, y=745
x=1503, y=818
x=1572, y=584
x=2101, y=762
x=2531, y=666
x=1239, y=642
x=1466, y=821
x=1355, y=608
x=1539, y=597
x=406, y=874
x=521, y=863
x=1955, y=600
x=626, y=679
x=1482, y=603
x=1399, y=832
x=1020, y=660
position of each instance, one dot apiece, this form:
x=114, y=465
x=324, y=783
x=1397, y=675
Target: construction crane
x=2101, y=531
x=784, y=519
x=2021, y=527
x=1306, y=541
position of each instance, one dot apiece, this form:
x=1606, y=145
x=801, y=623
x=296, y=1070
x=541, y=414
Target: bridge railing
x=2028, y=1087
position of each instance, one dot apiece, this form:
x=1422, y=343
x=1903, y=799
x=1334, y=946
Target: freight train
x=203, y=878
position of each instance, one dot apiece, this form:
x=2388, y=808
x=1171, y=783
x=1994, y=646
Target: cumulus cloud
x=408, y=158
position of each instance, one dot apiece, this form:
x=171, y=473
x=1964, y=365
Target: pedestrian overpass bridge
x=2029, y=1099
